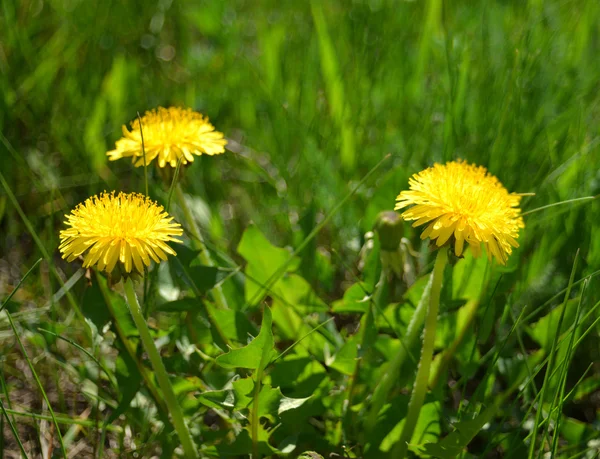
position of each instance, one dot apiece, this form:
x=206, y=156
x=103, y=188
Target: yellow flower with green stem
x=127, y=231
x=459, y=203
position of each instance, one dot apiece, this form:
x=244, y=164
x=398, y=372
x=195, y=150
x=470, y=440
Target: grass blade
x=19, y=284
x=13, y=429
x=38, y=382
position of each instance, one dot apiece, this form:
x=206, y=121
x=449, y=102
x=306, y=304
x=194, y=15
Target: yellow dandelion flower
x=127, y=228
x=169, y=134
x=466, y=203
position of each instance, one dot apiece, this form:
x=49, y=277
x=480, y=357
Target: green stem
x=198, y=242
x=131, y=351
x=421, y=381
x=392, y=372
x=187, y=443
x=255, y=418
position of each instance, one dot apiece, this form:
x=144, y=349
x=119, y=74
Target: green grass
x=312, y=97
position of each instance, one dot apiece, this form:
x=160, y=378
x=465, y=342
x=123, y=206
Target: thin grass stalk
x=14, y=431
x=39, y=384
x=422, y=379
x=187, y=443
x=550, y=368
x=564, y=374
x=5, y=302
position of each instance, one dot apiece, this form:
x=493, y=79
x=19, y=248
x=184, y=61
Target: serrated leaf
x=255, y=355
x=452, y=445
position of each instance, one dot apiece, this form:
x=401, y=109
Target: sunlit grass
x=328, y=108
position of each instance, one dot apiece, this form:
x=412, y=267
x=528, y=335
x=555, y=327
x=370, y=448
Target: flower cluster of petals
x=460, y=203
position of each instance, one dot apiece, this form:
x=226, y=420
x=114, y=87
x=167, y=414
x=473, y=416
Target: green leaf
x=296, y=291
x=345, y=359
x=544, y=330
x=255, y=355
x=188, y=271
x=183, y=305
x=271, y=401
x=298, y=375
x=94, y=307
x=356, y=299
x=286, y=403
x=221, y=399
x=243, y=390
x=310, y=455
x=427, y=429
x=453, y=445
x=243, y=445
x=468, y=276
x=291, y=325
x=264, y=260
x=234, y=324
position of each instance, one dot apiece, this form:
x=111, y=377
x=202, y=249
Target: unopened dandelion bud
x=390, y=229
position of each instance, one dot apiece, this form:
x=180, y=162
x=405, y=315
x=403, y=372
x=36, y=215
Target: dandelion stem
x=422, y=379
x=198, y=242
x=255, y=418
x=189, y=448
x=392, y=373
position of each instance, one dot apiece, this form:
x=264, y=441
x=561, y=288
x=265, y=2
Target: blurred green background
x=312, y=95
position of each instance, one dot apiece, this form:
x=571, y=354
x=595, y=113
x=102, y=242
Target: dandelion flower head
x=169, y=134
x=127, y=228
x=466, y=203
